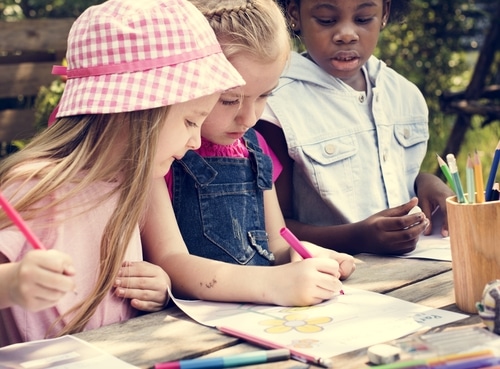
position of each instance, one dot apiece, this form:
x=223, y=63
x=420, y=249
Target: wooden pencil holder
x=475, y=249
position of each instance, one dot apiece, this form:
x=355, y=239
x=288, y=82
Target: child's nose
x=194, y=142
x=346, y=33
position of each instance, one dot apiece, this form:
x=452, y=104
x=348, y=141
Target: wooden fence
x=28, y=50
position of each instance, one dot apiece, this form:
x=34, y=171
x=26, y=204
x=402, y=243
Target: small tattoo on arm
x=210, y=284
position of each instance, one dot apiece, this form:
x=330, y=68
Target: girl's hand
x=306, y=282
x=145, y=284
x=346, y=261
x=40, y=279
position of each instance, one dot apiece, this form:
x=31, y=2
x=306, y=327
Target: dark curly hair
x=399, y=8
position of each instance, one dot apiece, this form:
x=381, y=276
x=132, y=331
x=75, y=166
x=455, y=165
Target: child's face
x=239, y=109
x=340, y=35
x=181, y=131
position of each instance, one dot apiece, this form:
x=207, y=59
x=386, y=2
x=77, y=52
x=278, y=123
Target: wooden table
x=171, y=335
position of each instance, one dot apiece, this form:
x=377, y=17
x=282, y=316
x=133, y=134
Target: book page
x=67, y=352
x=345, y=323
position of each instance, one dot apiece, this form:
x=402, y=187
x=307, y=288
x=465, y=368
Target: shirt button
x=361, y=98
x=406, y=133
x=330, y=149
x=384, y=157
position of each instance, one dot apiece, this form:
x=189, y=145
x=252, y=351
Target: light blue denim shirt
x=355, y=153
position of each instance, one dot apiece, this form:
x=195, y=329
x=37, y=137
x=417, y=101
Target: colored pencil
x=478, y=178
x=324, y=362
x=446, y=172
x=248, y=358
x=20, y=223
x=469, y=175
x=493, y=173
x=452, y=164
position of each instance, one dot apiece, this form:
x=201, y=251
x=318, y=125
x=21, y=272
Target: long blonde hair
x=85, y=144
x=255, y=27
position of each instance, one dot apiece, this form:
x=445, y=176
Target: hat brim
x=148, y=89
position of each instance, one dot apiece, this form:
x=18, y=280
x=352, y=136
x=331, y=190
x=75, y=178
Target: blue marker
x=493, y=173
x=249, y=358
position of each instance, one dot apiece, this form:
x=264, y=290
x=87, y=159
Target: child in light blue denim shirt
x=351, y=134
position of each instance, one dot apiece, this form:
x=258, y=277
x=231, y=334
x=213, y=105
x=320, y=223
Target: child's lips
x=236, y=135
x=345, y=62
x=346, y=55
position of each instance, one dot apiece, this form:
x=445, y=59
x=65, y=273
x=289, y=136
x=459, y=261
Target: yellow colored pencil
x=478, y=178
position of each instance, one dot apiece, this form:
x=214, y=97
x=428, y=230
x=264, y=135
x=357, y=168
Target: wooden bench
x=28, y=50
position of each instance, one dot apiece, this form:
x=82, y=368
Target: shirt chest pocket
x=408, y=135
x=411, y=144
x=332, y=163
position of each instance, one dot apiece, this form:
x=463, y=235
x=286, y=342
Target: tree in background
x=19, y=9
x=437, y=47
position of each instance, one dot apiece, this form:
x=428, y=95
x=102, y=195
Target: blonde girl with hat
x=222, y=194
x=142, y=77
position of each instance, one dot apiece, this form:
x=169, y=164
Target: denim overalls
x=219, y=204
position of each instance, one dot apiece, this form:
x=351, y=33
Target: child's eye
x=191, y=124
x=230, y=102
x=325, y=21
x=364, y=20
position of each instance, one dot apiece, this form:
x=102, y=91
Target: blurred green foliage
x=46, y=100
x=19, y=9
x=436, y=47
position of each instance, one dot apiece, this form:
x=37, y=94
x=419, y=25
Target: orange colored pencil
x=478, y=178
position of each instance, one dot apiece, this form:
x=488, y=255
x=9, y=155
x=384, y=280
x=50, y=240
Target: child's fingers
x=347, y=267
x=145, y=284
x=47, y=270
x=139, y=269
x=148, y=305
x=146, y=300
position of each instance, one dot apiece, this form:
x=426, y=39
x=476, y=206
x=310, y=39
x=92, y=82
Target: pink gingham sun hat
x=126, y=55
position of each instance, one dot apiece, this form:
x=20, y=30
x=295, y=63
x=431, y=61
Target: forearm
x=200, y=278
x=425, y=179
x=342, y=238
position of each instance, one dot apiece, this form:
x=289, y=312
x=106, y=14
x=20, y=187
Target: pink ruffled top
x=237, y=149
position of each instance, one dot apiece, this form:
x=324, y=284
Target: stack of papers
x=65, y=352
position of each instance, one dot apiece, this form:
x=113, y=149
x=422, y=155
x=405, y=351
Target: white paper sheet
x=345, y=323
x=67, y=352
x=434, y=246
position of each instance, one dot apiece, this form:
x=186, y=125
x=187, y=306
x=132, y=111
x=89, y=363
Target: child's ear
x=386, y=10
x=293, y=15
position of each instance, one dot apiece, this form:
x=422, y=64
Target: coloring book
x=316, y=333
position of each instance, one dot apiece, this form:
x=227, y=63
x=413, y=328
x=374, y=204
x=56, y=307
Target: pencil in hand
x=20, y=223
x=295, y=243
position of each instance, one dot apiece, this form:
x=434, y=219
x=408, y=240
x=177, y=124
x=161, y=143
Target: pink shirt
x=236, y=150
x=78, y=234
